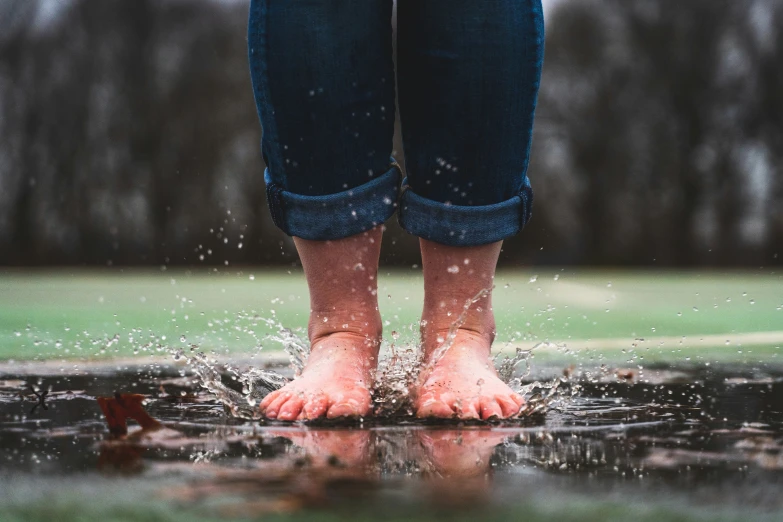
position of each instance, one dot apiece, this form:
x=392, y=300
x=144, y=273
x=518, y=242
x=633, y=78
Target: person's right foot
x=344, y=330
x=336, y=382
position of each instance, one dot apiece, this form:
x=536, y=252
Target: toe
x=273, y=408
x=291, y=409
x=508, y=405
x=490, y=409
x=355, y=404
x=469, y=409
x=432, y=406
x=266, y=401
x=316, y=407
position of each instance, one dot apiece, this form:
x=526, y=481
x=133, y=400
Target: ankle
x=478, y=332
x=457, y=289
x=352, y=323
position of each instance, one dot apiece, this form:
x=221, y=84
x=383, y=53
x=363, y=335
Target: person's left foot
x=463, y=384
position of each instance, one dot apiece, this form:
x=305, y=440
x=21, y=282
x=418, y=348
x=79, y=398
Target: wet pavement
x=701, y=438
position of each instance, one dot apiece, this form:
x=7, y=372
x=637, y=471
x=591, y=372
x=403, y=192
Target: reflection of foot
x=465, y=385
x=332, y=448
x=336, y=381
x=460, y=453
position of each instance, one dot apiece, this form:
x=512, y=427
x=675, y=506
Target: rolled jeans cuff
x=334, y=216
x=464, y=225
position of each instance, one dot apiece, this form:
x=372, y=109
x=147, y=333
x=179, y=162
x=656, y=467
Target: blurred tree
x=649, y=105
x=128, y=135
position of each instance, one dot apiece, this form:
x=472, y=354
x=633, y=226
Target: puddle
x=707, y=436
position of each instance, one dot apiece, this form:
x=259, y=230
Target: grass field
x=105, y=313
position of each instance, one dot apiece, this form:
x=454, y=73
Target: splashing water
x=209, y=377
x=256, y=383
x=298, y=349
x=396, y=375
x=540, y=397
x=399, y=371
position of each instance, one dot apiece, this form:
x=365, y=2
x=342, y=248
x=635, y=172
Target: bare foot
x=344, y=331
x=463, y=384
x=336, y=382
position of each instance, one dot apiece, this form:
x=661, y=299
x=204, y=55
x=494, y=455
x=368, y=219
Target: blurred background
x=129, y=136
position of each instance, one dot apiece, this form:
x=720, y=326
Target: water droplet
x=533, y=279
x=453, y=269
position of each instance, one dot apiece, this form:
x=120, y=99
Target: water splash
x=298, y=349
x=399, y=371
x=255, y=383
x=210, y=378
x=395, y=378
x=555, y=394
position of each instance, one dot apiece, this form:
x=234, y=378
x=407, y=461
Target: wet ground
x=670, y=443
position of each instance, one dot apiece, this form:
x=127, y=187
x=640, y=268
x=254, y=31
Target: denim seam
x=263, y=90
x=462, y=225
x=319, y=217
x=535, y=10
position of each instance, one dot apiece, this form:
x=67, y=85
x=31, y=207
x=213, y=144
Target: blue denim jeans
x=324, y=83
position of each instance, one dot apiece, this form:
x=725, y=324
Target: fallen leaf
x=122, y=406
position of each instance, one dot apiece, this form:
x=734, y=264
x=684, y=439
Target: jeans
x=468, y=74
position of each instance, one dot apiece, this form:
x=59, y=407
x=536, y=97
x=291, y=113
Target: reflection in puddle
x=674, y=431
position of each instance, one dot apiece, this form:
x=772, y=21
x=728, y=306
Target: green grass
x=76, y=314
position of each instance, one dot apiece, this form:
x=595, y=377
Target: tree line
x=128, y=135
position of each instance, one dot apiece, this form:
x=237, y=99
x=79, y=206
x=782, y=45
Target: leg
x=323, y=81
x=468, y=78
x=462, y=380
x=344, y=331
